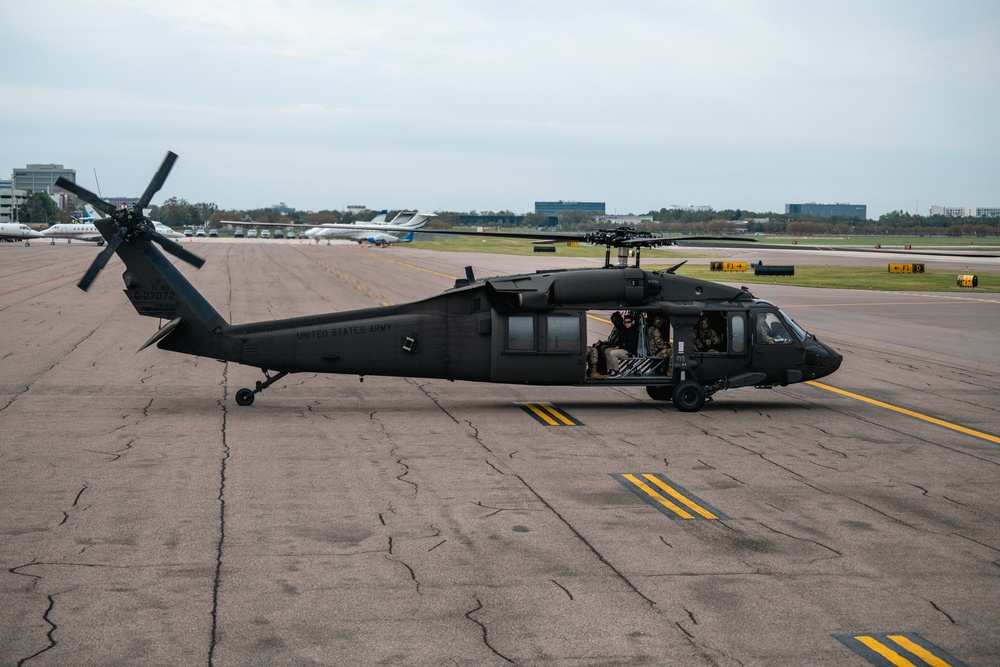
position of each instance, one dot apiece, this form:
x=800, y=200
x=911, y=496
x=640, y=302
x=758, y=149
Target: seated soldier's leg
x=602, y=359
x=614, y=358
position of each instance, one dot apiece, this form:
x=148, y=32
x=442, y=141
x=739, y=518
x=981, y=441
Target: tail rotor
x=130, y=223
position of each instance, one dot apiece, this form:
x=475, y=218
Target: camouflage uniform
x=657, y=346
x=594, y=350
x=705, y=338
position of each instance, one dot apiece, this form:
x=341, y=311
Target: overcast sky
x=476, y=105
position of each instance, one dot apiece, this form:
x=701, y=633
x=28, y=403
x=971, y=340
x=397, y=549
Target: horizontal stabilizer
x=160, y=334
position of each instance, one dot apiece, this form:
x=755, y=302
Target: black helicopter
x=520, y=329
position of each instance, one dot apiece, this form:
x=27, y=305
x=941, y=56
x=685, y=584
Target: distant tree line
x=38, y=208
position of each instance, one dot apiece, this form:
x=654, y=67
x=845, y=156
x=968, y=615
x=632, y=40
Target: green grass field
x=848, y=277
x=843, y=277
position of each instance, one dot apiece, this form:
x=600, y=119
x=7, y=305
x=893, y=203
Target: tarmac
x=149, y=520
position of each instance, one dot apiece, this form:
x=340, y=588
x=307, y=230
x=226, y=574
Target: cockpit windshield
x=796, y=329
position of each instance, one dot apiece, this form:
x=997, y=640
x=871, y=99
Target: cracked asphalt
x=146, y=519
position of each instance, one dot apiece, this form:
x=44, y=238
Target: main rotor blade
x=158, y=179
x=527, y=236
x=175, y=249
x=685, y=240
x=86, y=195
x=99, y=263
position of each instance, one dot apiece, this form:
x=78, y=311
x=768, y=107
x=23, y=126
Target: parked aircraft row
x=82, y=231
x=398, y=230
x=72, y=231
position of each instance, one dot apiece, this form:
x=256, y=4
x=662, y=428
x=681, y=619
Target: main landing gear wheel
x=660, y=393
x=244, y=397
x=689, y=396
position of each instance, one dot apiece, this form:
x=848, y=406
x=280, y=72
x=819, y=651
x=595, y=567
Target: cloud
x=483, y=106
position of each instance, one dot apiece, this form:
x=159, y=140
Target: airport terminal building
x=829, y=210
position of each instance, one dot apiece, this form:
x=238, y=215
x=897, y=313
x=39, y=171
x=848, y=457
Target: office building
x=966, y=211
x=41, y=177
x=557, y=207
x=829, y=210
x=10, y=198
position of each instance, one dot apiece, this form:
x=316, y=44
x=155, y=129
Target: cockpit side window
x=770, y=330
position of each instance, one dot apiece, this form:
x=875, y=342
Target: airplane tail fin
x=405, y=239
x=410, y=219
x=90, y=215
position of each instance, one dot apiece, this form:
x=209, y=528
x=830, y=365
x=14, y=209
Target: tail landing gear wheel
x=244, y=397
x=689, y=396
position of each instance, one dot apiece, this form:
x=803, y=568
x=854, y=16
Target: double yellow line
x=660, y=492
x=892, y=647
x=547, y=413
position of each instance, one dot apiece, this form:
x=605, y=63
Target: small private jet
x=74, y=231
x=18, y=231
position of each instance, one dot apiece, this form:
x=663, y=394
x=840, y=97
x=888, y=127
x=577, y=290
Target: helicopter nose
x=822, y=359
x=835, y=359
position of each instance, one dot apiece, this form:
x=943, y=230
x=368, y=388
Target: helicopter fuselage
x=521, y=329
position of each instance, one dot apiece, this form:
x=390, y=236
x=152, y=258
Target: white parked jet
x=398, y=230
x=18, y=231
x=74, y=231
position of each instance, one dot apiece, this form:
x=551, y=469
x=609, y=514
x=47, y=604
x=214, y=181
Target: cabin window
x=737, y=333
x=562, y=333
x=521, y=332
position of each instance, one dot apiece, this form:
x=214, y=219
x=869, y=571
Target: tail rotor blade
x=129, y=223
x=86, y=195
x=175, y=249
x=99, y=262
x=158, y=179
